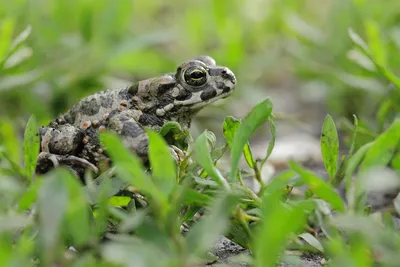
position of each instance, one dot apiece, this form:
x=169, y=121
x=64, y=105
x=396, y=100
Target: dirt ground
x=226, y=250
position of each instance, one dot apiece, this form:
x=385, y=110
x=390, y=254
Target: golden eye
x=195, y=76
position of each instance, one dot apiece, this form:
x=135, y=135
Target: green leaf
x=377, y=62
x=343, y=168
x=310, y=239
x=133, y=173
x=190, y=212
x=21, y=38
x=171, y=126
x=193, y=197
x=230, y=127
x=358, y=41
x=77, y=211
x=119, y=201
x=355, y=161
x=18, y=57
x=17, y=42
x=63, y=208
x=132, y=221
x=253, y=120
x=239, y=233
x=395, y=163
x=52, y=201
x=271, y=144
x=203, y=157
x=279, y=182
x=173, y=133
x=330, y=146
x=218, y=152
x=374, y=42
x=24, y=250
x=354, y=252
x=382, y=115
x=133, y=251
x=383, y=148
x=162, y=164
x=30, y=196
x=319, y=187
x=31, y=146
x=361, y=59
x=359, y=247
x=206, y=232
x=351, y=167
x=129, y=168
x=94, y=188
x=279, y=223
x=102, y=194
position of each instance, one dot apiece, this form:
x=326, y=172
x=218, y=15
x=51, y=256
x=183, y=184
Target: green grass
x=52, y=53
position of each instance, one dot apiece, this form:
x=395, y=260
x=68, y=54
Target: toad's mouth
x=197, y=101
x=203, y=98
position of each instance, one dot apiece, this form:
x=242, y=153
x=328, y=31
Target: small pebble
x=85, y=139
x=86, y=125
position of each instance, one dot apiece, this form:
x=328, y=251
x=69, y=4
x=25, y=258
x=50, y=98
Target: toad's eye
x=195, y=76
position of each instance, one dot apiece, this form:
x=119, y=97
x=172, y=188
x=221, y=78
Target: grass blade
x=162, y=164
x=128, y=165
x=280, y=222
x=203, y=157
x=204, y=234
x=321, y=188
x=383, y=148
x=230, y=127
x=253, y=120
x=31, y=146
x=330, y=146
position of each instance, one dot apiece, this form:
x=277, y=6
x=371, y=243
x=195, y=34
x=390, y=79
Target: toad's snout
x=228, y=75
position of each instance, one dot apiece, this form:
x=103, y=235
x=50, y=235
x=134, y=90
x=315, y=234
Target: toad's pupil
x=196, y=74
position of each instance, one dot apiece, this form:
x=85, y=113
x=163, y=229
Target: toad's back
x=95, y=108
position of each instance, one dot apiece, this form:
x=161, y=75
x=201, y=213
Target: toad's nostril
x=226, y=74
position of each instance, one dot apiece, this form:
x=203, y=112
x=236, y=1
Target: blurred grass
x=302, y=47
x=83, y=46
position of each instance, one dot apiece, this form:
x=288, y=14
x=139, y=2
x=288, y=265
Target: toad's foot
x=69, y=160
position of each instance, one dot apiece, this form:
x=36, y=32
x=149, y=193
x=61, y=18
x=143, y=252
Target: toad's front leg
x=59, y=147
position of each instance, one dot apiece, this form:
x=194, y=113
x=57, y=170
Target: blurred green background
x=290, y=50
